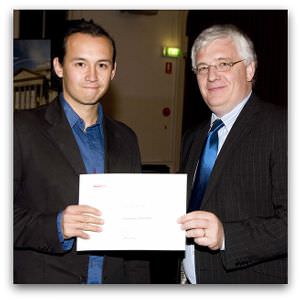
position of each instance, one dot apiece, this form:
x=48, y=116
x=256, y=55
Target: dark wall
x=268, y=30
x=41, y=24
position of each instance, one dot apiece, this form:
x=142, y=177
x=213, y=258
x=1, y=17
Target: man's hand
x=79, y=218
x=204, y=227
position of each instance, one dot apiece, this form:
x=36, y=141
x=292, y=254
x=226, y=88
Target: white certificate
x=140, y=211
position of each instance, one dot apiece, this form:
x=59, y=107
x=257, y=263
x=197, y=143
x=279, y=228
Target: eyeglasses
x=220, y=67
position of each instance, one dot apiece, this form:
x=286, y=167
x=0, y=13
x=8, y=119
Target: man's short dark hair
x=80, y=26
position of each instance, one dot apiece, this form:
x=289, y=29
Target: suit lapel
x=112, y=150
x=194, y=154
x=61, y=134
x=238, y=133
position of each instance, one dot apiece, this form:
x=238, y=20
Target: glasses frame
x=229, y=64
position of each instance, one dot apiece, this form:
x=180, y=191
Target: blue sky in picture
x=31, y=54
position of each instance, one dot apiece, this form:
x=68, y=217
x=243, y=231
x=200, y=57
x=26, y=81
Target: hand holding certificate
x=139, y=211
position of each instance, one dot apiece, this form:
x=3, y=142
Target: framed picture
x=32, y=73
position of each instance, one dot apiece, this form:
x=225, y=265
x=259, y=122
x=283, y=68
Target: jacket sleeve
x=33, y=229
x=260, y=238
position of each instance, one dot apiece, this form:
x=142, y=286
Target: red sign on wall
x=168, y=68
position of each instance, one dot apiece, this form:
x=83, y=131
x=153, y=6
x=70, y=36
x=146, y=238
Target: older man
x=236, y=223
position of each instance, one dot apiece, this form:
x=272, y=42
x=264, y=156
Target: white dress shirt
x=228, y=120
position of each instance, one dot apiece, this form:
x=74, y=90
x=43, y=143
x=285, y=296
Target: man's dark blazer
x=47, y=164
x=247, y=191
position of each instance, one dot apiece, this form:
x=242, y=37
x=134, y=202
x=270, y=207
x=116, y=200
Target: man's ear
x=113, y=72
x=58, y=67
x=250, y=70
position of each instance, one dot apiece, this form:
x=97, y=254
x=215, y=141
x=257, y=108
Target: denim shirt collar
x=72, y=116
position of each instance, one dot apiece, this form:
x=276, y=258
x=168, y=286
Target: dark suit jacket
x=247, y=191
x=47, y=164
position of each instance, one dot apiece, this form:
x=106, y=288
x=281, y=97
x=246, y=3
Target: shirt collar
x=230, y=117
x=72, y=116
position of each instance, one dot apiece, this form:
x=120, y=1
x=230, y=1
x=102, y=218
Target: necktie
x=205, y=166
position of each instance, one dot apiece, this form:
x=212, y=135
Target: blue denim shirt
x=91, y=146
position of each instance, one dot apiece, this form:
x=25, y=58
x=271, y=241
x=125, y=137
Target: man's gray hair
x=242, y=42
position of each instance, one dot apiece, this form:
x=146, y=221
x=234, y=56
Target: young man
x=52, y=146
x=236, y=224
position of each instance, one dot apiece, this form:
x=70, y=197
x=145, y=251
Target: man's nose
x=92, y=74
x=213, y=73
